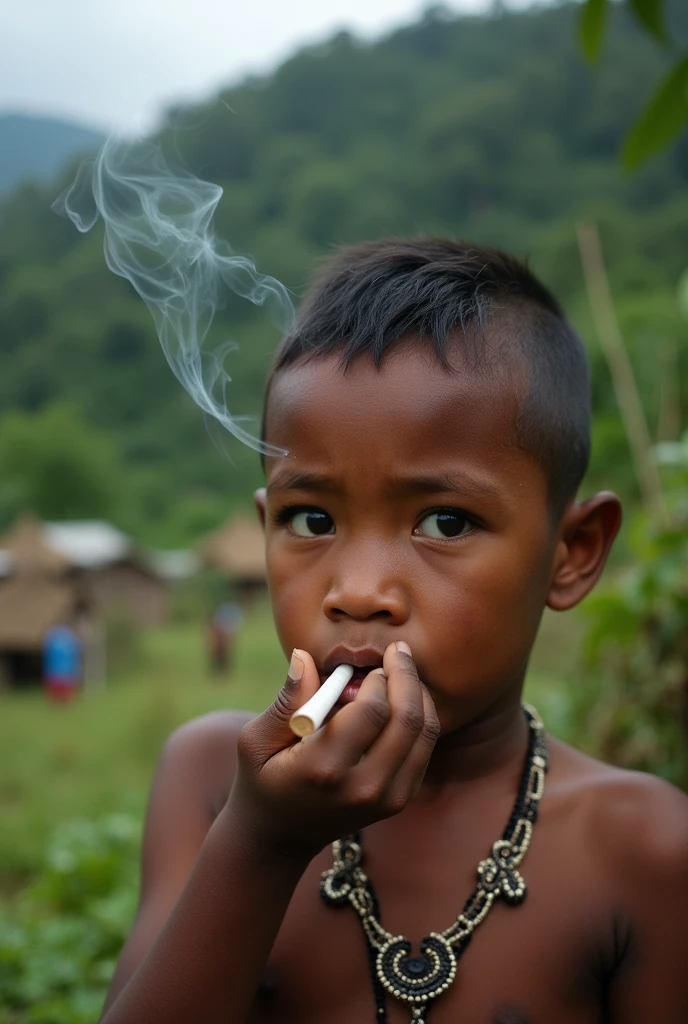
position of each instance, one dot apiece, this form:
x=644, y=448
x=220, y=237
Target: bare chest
x=541, y=961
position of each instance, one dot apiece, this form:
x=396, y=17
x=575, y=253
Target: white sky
x=116, y=64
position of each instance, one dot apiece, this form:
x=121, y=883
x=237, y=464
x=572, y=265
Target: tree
x=53, y=464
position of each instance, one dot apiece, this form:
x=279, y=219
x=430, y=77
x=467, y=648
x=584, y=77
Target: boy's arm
x=651, y=982
x=197, y=760
x=203, y=961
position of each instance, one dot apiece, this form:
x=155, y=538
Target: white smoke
x=159, y=235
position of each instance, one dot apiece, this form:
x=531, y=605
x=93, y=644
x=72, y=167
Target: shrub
x=59, y=943
x=638, y=642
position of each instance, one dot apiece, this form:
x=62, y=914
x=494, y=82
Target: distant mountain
x=38, y=147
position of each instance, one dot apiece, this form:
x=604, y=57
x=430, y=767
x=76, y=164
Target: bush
x=59, y=943
x=638, y=642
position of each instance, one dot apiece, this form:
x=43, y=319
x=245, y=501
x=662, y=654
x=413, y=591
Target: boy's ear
x=586, y=534
x=259, y=498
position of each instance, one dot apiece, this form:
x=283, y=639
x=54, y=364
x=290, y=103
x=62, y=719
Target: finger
x=272, y=727
x=347, y=736
x=407, y=718
x=409, y=777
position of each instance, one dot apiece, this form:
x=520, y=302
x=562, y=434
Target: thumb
x=301, y=683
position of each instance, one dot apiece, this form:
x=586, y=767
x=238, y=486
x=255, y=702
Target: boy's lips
x=363, y=659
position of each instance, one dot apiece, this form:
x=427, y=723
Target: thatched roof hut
x=30, y=606
x=118, y=576
x=105, y=563
x=236, y=549
x=74, y=574
x=27, y=553
x=37, y=592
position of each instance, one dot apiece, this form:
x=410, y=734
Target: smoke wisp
x=159, y=235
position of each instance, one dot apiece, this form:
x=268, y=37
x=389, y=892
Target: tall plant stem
x=616, y=354
x=669, y=425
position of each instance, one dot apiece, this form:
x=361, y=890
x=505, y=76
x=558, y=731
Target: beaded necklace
x=418, y=980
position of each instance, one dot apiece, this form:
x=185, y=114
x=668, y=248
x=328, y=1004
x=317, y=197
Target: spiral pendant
x=416, y=979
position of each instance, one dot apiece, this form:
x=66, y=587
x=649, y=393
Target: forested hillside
x=491, y=128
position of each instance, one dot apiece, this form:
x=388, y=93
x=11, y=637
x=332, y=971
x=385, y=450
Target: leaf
x=591, y=27
x=650, y=13
x=663, y=118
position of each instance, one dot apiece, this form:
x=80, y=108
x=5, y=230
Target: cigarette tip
x=301, y=725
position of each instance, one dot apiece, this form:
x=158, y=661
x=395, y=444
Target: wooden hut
x=237, y=551
x=36, y=593
x=118, y=577
x=25, y=551
x=77, y=574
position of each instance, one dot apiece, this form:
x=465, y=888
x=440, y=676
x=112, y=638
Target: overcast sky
x=116, y=64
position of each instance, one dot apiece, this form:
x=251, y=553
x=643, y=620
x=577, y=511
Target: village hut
x=118, y=577
x=25, y=550
x=36, y=593
x=237, y=551
x=77, y=574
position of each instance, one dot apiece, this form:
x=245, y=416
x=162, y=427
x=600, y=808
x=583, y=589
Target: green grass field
x=98, y=754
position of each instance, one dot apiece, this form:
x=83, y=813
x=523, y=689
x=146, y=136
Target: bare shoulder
x=217, y=728
x=204, y=750
x=637, y=822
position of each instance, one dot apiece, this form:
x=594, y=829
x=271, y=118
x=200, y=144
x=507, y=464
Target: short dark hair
x=371, y=296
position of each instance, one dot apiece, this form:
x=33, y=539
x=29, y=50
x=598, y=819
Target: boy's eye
x=311, y=522
x=444, y=525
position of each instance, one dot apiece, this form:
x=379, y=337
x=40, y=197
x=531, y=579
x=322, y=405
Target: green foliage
x=592, y=24
x=666, y=113
x=59, y=945
x=638, y=641
x=53, y=465
x=650, y=13
x=662, y=119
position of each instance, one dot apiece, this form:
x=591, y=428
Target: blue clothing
x=61, y=653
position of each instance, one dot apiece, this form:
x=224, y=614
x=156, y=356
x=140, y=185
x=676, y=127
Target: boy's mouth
x=350, y=691
x=363, y=661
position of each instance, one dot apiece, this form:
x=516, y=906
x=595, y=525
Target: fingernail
x=296, y=666
x=403, y=647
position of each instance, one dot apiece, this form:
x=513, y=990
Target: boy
x=434, y=404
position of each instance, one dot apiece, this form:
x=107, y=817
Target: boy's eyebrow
x=299, y=481
x=431, y=483
x=426, y=483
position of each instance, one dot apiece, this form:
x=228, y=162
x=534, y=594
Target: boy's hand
x=363, y=765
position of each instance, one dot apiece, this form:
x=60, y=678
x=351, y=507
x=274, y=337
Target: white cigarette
x=311, y=716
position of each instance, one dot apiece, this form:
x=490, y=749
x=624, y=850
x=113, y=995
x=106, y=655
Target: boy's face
x=405, y=512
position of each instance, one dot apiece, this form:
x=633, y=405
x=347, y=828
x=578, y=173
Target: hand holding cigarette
x=360, y=766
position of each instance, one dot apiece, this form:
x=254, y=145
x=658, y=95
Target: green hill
x=488, y=127
x=39, y=147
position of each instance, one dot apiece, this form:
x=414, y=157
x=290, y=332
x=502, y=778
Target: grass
x=98, y=754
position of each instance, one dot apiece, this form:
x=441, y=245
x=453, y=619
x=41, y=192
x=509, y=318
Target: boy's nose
x=363, y=591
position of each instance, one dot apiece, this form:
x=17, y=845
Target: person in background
x=62, y=663
x=222, y=629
